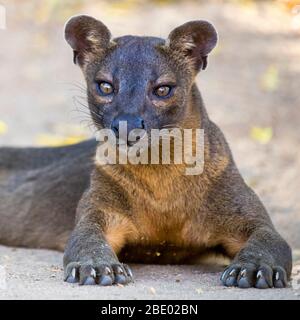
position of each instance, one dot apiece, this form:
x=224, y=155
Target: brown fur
x=142, y=213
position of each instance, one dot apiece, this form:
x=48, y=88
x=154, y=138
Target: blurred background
x=251, y=87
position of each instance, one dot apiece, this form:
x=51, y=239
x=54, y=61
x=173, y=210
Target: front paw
x=247, y=275
x=97, y=273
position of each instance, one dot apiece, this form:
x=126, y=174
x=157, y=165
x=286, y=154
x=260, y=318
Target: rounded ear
x=87, y=37
x=195, y=40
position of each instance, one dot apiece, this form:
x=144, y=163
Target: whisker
x=96, y=120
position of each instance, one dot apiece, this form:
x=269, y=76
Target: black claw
x=105, y=281
x=279, y=277
x=129, y=273
x=107, y=271
x=102, y=274
x=262, y=283
x=119, y=270
x=225, y=275
x=247, y=275
x=229, y=277
x=89, y=281
x=222, y=278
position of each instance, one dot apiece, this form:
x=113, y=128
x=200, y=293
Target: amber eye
x=104, y=88
x=162, y=91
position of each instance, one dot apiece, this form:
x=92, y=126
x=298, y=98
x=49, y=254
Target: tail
x=39, y=192
x=34, y=158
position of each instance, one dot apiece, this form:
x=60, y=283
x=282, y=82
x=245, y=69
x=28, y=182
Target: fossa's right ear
x=193, y=41
x=88, y=37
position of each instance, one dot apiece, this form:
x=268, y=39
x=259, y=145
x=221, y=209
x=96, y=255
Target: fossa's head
x=145, y=81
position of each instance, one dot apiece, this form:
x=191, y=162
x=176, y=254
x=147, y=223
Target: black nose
x=133, y=122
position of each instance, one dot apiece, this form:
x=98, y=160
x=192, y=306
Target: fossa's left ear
x=88, y=37
x=194, y=40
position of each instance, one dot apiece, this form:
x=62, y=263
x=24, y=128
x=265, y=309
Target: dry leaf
x=63, y=134
x=3, y=127
x=55, y=269
x=290, y=4
x=270, y=79
x=152, y=290
x=262, y=135
x=52, y=140
x=199, y=290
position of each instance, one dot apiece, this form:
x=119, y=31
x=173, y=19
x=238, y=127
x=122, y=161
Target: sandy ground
x=37, y=274
x=251, y=88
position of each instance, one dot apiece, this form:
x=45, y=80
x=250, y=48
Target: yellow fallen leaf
x=270, y=79
x=199, y=290
x=247, y=4
x=262, y=135
x=124, y=6
x=55, y=269
x=152, y=290
x=162, y=2
x=50, y=140
x=3, y=127
x=289, y=4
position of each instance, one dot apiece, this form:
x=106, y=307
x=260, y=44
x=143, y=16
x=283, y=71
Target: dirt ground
x=37, y=274
x=251, y=90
